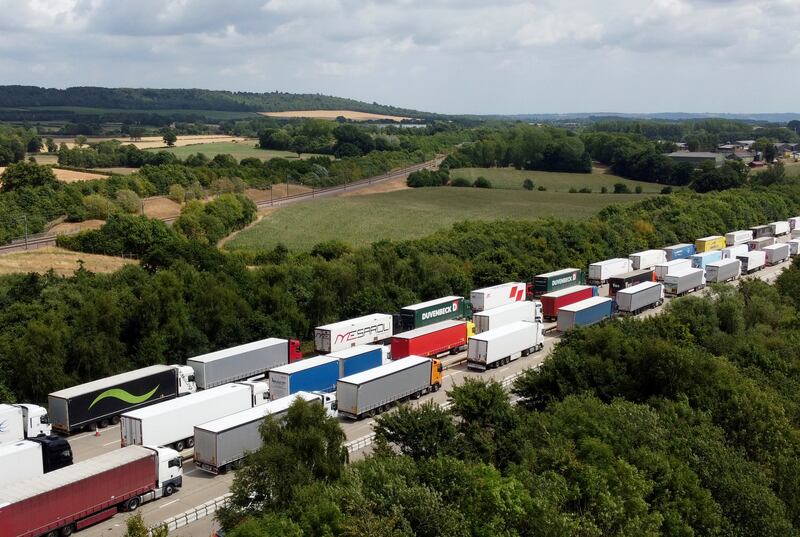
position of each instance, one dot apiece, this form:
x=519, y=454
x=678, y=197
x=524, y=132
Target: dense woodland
x=681, y=424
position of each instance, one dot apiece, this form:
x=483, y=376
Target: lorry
x=18, y=422
x=600, y=272
x=242, y=362
x=724, y=270
x=584, y=313
x=777, y=253
x=498, y=295
x=738, y=237
x=318, y=373
x=27, y=459
x=370, y=392
x=432, y=340
x=702, y=259
x=88, y=492
x=794, y=247
x=730, y=252
x=684, y=281
x=431, y=311
x=640, y=297
x=221, y=444
x=552, y=302
x=357, y=359
x=101, y=402
x=556, y=280
x=761, y=231
x=526, y=310
x=499, y=346
x=171, y=423
x=760, y=243
x=780, y=228
x=679, y=251
x=648, y=259
x=753, y=261
x=359, y=331
x=662, y=269
x=623, y=281
x=708, y=244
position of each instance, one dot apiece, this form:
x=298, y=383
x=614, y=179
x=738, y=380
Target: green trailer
x=557, y=280
x=432, y=311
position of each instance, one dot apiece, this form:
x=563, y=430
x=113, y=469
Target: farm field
x=63, y=262
x=333, y=114
x=239, y=150
x=71, y=176
x=157, y=142
x=409, y=214
x=553, y=181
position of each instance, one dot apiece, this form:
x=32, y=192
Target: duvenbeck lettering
x=437, y=313
x=561, y=281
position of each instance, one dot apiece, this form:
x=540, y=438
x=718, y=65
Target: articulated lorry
x=640, y=297
x=18, y=422
x=684, y=281
x=648, y=259
x=502, y=345
x=679, y=251
x=753, y=261
x=760, y=243
x=724, y=270
x=600, y=272
x=88, y=492
x=431, y=311
x=433, y=340
x=556, y=280
x=357, y=359
x=378, y=389
x=171, y=423
x=318, y=373
x=27, y=459
x=662, y=269
x=101, y=402
x=623, y=281
x=708, y=244
x=794, y=247
x=584, y=313
x=761, y=231
x=738, y=237
x=352, y=332
x=732, y=252
x=704, y=258
x=498, y=295
x=222, y=444
x=777, y=253
x=779, y=229
x=243, y=362
x=526, y=310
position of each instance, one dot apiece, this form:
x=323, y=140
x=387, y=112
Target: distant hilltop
x=776, y=117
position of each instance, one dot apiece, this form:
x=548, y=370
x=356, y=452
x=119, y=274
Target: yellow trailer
x=706, y=244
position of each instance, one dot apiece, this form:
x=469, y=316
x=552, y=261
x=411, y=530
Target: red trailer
x=552, y=302
x=88, y=492
x=431, y=340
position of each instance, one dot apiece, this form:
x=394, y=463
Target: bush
x=424, y=178
x=604, y=190
x=585, y=190
x=666, y=190
x=638, y=189
x=541, y=189
x=527, y=184
x=482, y=182
x=461, y=181
x=621, y=188
x=573, y=190
x=129, y=201
x=98, y=208
x=177, y=193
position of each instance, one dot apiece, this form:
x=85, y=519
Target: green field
x=552, y=181
x=85, y=110
x=238, y=150
x=409, y=214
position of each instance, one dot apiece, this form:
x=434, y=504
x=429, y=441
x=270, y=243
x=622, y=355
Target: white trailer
x=222, y=444
x=505, y=344
x=239, y=363
x=20, y=461
x=732, y=252
x=780, y=228
x=794, y=247
x=796, y=233
x=18, y=422
x=647, y=259
x=497, y=295
x=738, y=237
x=510, y=313
x=753, y=261
x=684, y=281
x=600, y=272
x=777, y=253
x=724, y=270
x=171, y=423
x=662, y=269
x=639, y=297
x=794, y=223
x=359, y=331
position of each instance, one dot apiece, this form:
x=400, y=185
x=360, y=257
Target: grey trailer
x=724, y=270
x=639, y=297
x=238, y=363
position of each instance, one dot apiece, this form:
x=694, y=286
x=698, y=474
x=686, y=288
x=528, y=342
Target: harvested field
x=333, y=114
x=161, y=208
x=64, y=262
x=69, y=228
x=150, y=142
x=44, y=158
x=71, y=176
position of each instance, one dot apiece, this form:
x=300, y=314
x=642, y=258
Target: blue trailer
x=357, y=359
x=701, y=260
x=317, y=374
x=679, y=251
x=583, y=313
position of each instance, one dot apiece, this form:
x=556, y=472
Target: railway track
x=42, y=240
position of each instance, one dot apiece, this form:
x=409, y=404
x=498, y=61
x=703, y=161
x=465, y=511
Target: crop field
x=63, y=262
x=333, y=114
x=71, y=176
x=553, y=181
x=157, y=142
x=239, y=150
x=409, y=214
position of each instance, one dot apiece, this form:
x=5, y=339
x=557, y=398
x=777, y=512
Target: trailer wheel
x=103, y=423
x=53, y=533
x=436, y=387
x=66, y=531
x=169, y=489
x=179, y=446
x=190, y=443
x=115, y=420
x=132, y=504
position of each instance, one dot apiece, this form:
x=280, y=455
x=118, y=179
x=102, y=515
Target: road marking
x=163, y=505
x=112, y=442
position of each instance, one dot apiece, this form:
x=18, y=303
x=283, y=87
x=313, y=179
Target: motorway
x=199, y=487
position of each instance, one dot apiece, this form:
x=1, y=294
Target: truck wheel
x=66, y=531
x=169, y=489
x=436, y=387
x=115, y=420
x=190, y=443
x=102, y=423
x=132, y=504
x=180, y=446
x=53, y=533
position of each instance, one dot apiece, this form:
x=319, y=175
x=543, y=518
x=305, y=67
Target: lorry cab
x=186, y=384
x=35, y=420
x=170, y=471
x=295, y=353
x=328, y=400
x=470, y=329
x=538, y=314
x=259, y=390
x=56, y=452
x=436, y=374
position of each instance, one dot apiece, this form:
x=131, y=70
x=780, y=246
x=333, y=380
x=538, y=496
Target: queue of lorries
x=216, y=402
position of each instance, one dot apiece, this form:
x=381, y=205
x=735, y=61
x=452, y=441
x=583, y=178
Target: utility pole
x=25, y=218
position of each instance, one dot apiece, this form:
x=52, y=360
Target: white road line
x=163, y=505
x=112, y=442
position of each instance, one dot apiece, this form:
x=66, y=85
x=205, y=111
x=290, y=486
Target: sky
x=447, y=56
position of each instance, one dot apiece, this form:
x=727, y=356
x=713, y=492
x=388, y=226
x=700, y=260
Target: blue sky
x=445, y=56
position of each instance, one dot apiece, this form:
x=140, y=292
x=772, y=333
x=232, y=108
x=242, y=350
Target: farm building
x=698, y=157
